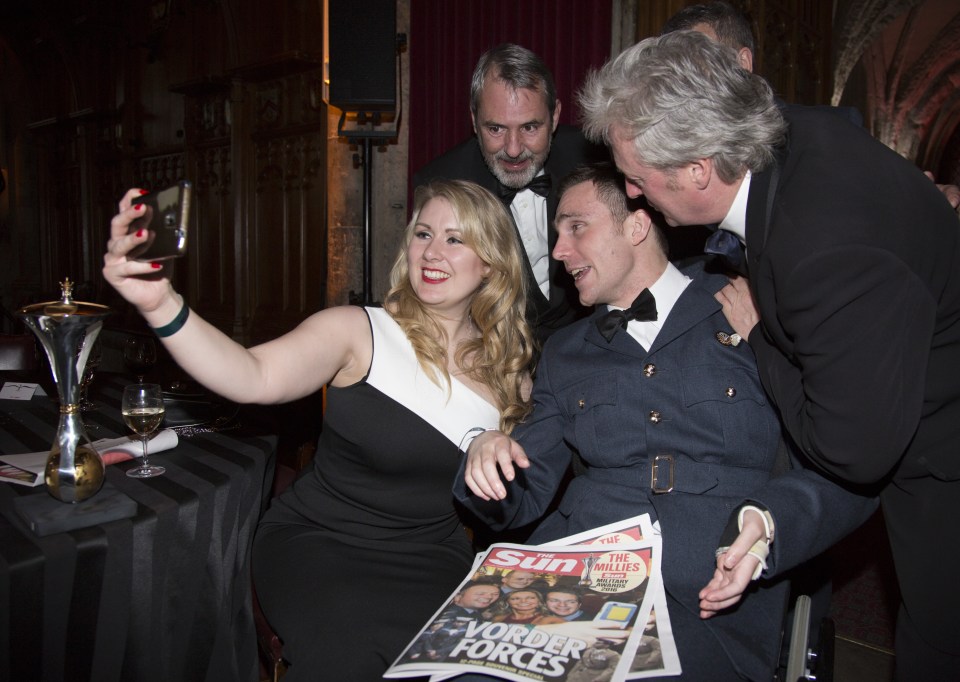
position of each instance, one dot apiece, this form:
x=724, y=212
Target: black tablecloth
x=162, y=596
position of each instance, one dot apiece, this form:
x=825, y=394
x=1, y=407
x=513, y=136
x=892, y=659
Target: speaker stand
x=366, y=137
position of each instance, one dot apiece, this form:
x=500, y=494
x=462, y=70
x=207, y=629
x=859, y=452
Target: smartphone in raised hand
x=166, y=217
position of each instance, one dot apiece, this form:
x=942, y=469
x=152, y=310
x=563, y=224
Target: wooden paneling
x=793, y=48
x=214, y=240
x=792, y=41
x=287, y=202
x=144, y=93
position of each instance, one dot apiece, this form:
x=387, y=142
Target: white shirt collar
x=526, y=190
x=666, y=290
x=736, y=220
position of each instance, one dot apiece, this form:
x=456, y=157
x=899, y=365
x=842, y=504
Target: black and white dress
x=352, y=560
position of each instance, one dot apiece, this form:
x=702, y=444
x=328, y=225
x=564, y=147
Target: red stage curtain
x=448, y=36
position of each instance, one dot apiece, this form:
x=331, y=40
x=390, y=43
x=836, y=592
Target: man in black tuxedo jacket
x=521, y=153
x=854, y=262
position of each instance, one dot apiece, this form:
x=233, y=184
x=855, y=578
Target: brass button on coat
x=731, y=391
x=655, y=416
x=649, y=370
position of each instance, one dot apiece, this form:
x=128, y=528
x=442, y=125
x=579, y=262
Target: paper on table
x=23, y=469
x=20, y=390
x=27, y=469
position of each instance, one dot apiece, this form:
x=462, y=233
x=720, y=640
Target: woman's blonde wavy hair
x=501, y=357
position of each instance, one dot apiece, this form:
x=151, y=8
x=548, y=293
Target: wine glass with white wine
x=142, y=408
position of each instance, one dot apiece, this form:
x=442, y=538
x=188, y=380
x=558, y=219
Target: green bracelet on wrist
x=175, y=325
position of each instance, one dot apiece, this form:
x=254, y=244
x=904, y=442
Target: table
x=165, y=595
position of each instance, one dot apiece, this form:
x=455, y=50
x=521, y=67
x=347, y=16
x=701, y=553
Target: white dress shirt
x=736, y=220
x=529, y=210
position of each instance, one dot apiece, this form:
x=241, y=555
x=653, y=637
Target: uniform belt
x=679, y=473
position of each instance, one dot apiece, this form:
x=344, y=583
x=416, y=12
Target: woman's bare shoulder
x=348, y=314
x=346, y=327
x=344, y=324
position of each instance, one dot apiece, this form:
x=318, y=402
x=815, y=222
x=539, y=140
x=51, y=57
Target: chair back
x=18, y=351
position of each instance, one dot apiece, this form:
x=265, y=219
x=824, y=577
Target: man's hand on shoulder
x=738, y=306
x=489, y=454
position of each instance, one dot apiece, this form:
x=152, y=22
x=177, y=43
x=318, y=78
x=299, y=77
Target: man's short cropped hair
x=730, y=24
x=516, y=66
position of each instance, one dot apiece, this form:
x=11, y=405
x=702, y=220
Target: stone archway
x=906, y=54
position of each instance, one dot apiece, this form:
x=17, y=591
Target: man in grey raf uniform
x=669, y=417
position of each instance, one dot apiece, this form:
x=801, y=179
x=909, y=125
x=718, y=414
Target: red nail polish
x=143, y=191
x=138, y=207
x=140, y=232
x=156, y=266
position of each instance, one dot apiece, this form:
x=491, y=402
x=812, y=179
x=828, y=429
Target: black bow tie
x=726, y=245
x=643, y=308
x=540, y=185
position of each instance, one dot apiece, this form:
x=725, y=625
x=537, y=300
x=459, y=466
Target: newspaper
x=655, y=652
x=515, y=636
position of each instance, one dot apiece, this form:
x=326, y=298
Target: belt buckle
x=657, y=484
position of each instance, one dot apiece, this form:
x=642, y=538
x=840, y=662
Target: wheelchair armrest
x=806, y=662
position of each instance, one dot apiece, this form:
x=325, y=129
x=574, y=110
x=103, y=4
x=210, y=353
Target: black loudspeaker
x=362, y=48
